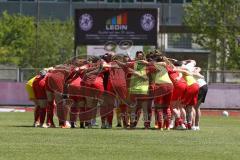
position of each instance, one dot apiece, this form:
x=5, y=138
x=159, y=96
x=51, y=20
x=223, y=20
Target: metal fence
x=17, y=74
x=24, y=74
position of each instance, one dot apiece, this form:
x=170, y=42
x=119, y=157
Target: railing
x=170, y=13
x=222, y=76
x=17, y=74
x=24, y=74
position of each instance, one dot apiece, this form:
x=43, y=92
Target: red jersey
x=57, y=78
x=174, y=75
x=39, y=87
x=117, y=81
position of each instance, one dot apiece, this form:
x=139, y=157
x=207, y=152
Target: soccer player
x=191, y=94
x=162, y=91
x=74, y=90
x=92, y=87
x=50, y=100
x=201, y=97
x=138, y=90
x=57, y=90
x=32, y=97
x=190, y=65
x=40, y=95
x=107, y=105
x=117, y=85
x=177, y=100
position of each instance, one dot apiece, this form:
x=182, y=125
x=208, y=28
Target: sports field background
x=219, y=138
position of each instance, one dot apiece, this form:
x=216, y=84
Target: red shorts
x=191, y=95
x=92, y=90
x=47, y=87
x=166, y=99
x=179, y=91
x=39, y=88
x=119, y=91
x=54, y=82
x=74, y=90
x=159, y=90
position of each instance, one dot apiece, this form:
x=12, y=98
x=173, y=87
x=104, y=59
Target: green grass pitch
x=218, y=139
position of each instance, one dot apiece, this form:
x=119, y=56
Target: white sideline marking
x=11, y=110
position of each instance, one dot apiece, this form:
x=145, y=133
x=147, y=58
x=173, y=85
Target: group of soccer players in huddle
x=151, y=86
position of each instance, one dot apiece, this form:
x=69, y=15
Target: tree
x=55, y=43
x=16, y=39
x=23, y=43
x=216, y=24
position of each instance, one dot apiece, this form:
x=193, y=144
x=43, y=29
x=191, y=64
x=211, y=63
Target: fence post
x=21, y=75
x=18, y=74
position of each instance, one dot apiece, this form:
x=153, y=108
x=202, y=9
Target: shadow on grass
x=22, y=126
x=95, y=128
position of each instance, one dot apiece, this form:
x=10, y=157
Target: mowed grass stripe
x=219, y=138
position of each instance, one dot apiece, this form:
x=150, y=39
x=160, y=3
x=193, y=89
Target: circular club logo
x=85, y=22
x=147, y=22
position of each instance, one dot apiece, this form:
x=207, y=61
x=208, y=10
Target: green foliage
x=26, y=44
x=217, y=24
x=16, y=38
x=54, y=43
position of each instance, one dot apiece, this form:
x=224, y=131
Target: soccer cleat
x=109, y=126
x=181, y=127
x=193, y=128
x=168, y=129
x=94, y=122
x=36, y=124
x=189, y=126
x=103, y=126
x=43, y=126
x=66, y=125
x=132, y=126
x=197, y=128
x=126, y=126
x=118, y=125
x=171, y=126
x=51, y=125
x=146, y=127
x=82, y=125
x=73, y=125
x=89, y=126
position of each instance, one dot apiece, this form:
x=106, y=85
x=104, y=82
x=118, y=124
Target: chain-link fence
x=17, y=74
x=24, y=74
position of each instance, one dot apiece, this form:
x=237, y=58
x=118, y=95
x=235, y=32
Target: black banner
x=101, y=26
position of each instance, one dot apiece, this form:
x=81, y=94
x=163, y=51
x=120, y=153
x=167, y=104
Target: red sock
x=167, y=117
x=189, y=126
x=178, y=122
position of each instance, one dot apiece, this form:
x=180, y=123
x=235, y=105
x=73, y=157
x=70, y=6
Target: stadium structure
x=175, y=38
